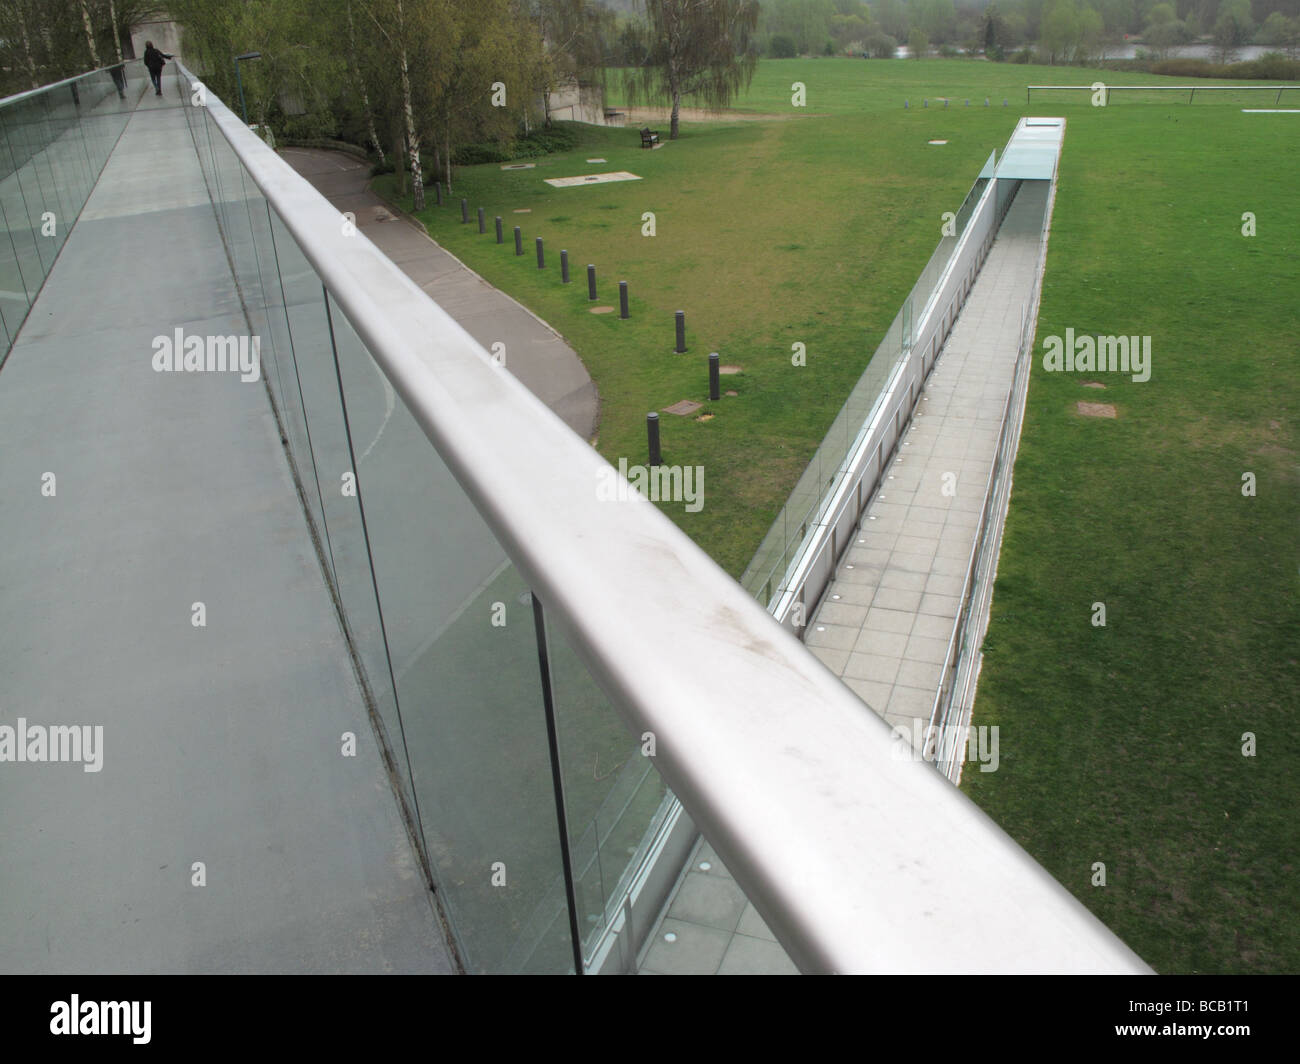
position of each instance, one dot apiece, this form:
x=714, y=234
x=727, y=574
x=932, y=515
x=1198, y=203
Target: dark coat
x=155, y=60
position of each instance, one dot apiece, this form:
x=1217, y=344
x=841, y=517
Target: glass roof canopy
x=1033, y=150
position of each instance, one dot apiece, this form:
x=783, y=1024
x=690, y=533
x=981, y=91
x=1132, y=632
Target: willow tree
x=574, y=41
x=699, y=48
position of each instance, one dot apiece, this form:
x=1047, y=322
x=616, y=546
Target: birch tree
x=699, y=48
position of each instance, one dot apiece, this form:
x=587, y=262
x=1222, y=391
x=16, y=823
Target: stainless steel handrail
x=859, y=860
x=18, y=97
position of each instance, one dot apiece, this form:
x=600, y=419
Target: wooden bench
x=649, y=137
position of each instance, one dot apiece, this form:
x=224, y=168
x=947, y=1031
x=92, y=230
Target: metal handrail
x=858, y=860
x=18, y=97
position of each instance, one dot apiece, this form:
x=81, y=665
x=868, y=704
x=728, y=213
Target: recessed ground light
x=870, y=517
x=670, y=937
x=821, y=628
x=891, y=476
x=705, y=866
x=863, y=540
x=848, y=567
x=836, y=597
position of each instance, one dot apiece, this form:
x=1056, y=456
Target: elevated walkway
x=222, y=743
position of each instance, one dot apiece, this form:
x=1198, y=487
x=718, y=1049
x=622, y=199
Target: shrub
x=476, y=154
x=1271, y=66
x=881, y=46
x=782, y=46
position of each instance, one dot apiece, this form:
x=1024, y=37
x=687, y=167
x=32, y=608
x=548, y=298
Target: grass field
x=1120, y=744
x=1127, y=740
x=767, y=234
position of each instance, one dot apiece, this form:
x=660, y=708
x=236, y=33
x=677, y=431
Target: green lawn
x=1125, y=742
x=1119, y=744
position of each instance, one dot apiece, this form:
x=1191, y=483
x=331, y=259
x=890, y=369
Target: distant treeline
x=42, y=41
x=1052, y=31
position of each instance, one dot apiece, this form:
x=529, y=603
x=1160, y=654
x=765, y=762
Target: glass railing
x=544, y=660
x=798, y=518
x=54, y=143
x=443, y=625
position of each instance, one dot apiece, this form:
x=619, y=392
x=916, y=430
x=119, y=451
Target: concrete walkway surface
x=535, y=353
x=225, y=831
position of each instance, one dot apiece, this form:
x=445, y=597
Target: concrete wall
x=577, y=103
x=165, y=34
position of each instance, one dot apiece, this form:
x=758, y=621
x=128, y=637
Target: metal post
x=239, y=80
x=591, y=282
x=652, y=435
x=622, y=300
x=519, y=241
x=482, y=221
x=464, y=212
x=557, y=784
x=714, y=392
x=564, y=267
x=681, y=332
x=437, y=193
x=500, y=238
x=541, y=258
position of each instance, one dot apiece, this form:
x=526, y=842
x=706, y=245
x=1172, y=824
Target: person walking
x=155, y=60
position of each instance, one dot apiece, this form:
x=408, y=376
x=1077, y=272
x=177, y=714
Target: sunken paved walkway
x=886, y=620
x=535, y=353
x=884, y=625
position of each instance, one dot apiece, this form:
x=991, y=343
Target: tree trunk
x=446, y=154
x=90, y=36
x=399, y=161
x=371, y=132
x=677, y=106
x=27, y=52
x=412, y=138
x=117, y=37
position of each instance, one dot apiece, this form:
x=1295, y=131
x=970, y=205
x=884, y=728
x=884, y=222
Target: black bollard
x=437, y=193
x=564, y=267
x=714, y=393
x=652, y=434
x=482, y=221
x=622, y=300
x=681, y=333
x=464, y=212
x=519, y=241
x=591, y=282
x=500, y=238
x=541, y=258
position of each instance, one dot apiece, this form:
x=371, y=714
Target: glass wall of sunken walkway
x=344, y=625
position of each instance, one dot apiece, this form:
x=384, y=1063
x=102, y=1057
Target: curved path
x=535, y=353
